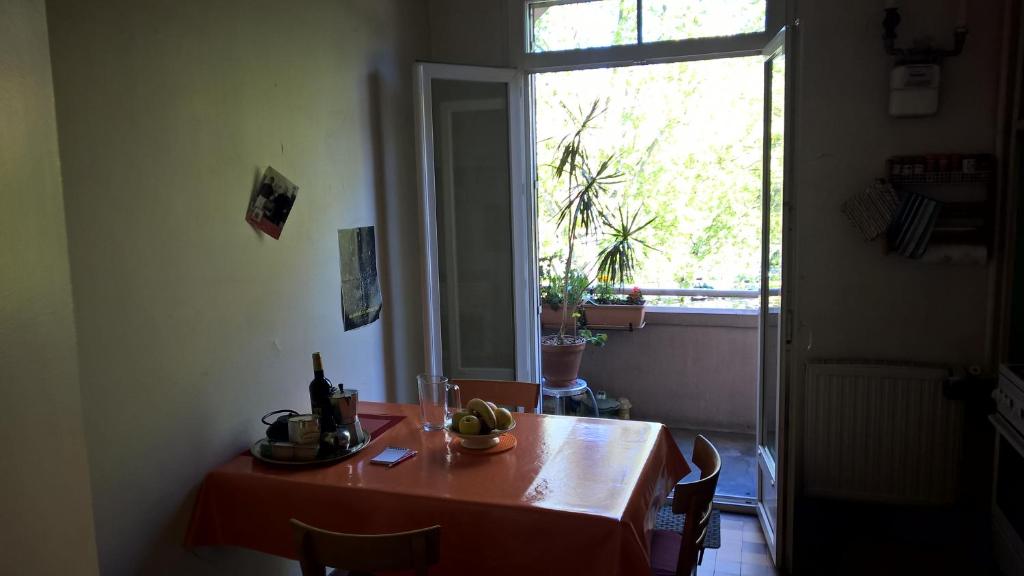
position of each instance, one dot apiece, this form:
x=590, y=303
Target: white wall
x=191, y=324
x=470, y=31
x=852, y=300
x=44, y=488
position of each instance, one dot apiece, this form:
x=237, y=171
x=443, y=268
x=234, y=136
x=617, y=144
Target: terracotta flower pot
x=615, y=315
x=560, y=363
x=551, y=317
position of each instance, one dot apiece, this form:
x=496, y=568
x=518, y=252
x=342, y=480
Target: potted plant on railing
x=606, y=309
x=578, y=216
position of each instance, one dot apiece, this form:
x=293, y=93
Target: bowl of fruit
x=480, y=424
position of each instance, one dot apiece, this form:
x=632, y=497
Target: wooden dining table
x=574, y=496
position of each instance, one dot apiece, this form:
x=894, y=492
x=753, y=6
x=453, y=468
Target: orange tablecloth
x=575, y=496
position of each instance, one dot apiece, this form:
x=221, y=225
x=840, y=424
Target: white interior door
x=773, y=318
x=479, y=264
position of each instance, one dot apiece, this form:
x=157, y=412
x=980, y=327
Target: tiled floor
x=743, y=552
x=738, y=475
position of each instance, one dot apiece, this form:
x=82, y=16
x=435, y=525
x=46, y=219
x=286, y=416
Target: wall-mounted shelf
x=943, y=178
x=946, y=210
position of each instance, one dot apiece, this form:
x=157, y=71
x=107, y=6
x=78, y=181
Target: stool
x=560, y=393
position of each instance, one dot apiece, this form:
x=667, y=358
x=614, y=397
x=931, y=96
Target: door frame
x=778, y=469
x=765, y=460
x=525, y=283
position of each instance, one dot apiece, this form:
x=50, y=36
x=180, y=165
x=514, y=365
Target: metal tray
x=255, y=451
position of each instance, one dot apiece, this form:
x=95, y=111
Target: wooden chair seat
x=665, y=545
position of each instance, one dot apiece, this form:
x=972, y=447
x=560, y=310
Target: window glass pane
x=474, y=252
x=773, y=248
x=776, y=178
x=682, y=19
x=687, y=140
x=582, y=25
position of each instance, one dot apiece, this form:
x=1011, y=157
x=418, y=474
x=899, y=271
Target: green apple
x=469, y=425
x=503, y=418
x=458, y=418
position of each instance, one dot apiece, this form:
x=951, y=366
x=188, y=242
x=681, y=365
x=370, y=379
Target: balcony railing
x=704, y=292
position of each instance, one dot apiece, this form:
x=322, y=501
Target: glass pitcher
x=435, y=410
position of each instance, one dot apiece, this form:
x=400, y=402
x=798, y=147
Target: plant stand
x=578, y=387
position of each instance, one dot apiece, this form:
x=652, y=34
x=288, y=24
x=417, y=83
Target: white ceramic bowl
x=480, y=441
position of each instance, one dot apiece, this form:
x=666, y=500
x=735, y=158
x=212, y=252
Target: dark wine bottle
x=320, y=396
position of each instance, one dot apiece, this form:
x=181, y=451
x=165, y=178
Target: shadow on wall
x=398, y=229
x=373, y=83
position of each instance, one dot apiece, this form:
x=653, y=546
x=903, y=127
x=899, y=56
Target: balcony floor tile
x=739, y=472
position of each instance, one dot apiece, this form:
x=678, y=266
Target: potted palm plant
x=578, y=216
x=616, y=266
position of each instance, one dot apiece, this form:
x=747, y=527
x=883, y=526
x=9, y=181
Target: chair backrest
x=416, y=550
x=523, y=395
x=694, y=500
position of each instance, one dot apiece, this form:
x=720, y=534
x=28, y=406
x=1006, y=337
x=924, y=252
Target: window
x=684, y=19
x=569, y=25
x=686, y=137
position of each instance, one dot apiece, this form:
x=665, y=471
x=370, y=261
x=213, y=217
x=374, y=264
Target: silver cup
x=303, y=429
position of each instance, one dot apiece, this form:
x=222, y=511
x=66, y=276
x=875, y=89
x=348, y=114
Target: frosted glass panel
x=474, y=228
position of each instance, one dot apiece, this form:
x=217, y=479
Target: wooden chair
x=416, y=550
x=517, y=395
x=675, y=554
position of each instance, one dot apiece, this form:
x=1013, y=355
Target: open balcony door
x=479, y=273
x=773, y=325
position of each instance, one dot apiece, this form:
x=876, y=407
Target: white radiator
x=880, y=432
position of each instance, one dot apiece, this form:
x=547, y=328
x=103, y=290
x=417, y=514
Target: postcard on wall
x=272, y=203
x=360, y=291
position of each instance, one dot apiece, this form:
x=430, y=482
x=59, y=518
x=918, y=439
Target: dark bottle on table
x=320, y=390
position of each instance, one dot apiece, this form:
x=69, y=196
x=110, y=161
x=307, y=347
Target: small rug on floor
x=674, y=522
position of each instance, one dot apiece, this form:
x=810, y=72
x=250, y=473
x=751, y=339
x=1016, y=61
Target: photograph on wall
x=360, y=291
x=272, y=203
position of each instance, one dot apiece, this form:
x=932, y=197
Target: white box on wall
x=914, y=90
